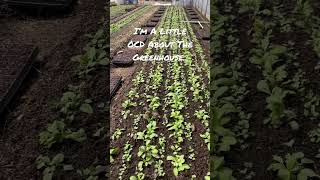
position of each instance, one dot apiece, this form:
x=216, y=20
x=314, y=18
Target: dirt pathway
x=58, y=39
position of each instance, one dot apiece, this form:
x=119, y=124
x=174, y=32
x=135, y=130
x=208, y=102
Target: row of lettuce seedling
x=167, y=113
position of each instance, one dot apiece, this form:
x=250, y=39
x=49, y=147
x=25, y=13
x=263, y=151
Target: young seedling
x=178, y=163
x=49, y=166
x=56, y=133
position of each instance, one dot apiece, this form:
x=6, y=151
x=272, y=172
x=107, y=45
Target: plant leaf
x=263, y=87
x=86, y=108
x=304, y=174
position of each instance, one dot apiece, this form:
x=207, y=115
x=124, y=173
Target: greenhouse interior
x=159, y=90
x=159, y=85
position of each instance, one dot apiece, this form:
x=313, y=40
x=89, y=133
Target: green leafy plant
x=203, y=116
x=178, y=163
x=98, y=39
x=114, y=152
x=206, y=137
x=154, y=102
x=116, y=135
x=128, y=104
x=159, y=168
x=92, y=172
x=304, y=8
x=126, y=158
x=114, y=27
x=138, y=79
x=219, y=171
x=147, y=153
x=276, y=105
x=223, y=137
x=249, y=5
x=292, y=167
x=312, y=105
x=314, y=135
x=149, y=133
x=72, y=101
x=49, y=166
x=57, y=132
x=89, y=61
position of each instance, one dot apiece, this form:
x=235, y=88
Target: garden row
x=79, y=125
x=265, y=104
x=119, y=10
x=123, y=58
x=117, y=25
x=162, y=127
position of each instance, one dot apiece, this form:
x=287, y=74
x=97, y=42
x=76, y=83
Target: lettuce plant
x=178, y=163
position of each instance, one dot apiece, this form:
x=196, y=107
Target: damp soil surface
x=58, y=37
x=270, y=141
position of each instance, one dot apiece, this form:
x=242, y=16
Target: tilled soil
x=58, y=40
x=118, y=39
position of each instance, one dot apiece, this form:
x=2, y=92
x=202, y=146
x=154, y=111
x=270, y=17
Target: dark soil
x=11, y=65
x=14, y=68
x=269, y=141
x=58, y=40
x=118, y=17
x=200, y=168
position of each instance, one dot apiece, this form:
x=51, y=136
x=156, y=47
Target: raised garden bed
x=14, y=66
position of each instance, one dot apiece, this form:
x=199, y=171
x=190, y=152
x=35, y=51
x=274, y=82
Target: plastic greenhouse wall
x=203, y=6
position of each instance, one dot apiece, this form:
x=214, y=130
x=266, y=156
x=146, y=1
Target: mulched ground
x=58, y=38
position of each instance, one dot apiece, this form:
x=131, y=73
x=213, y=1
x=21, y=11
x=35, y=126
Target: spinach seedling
x=56, y=133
